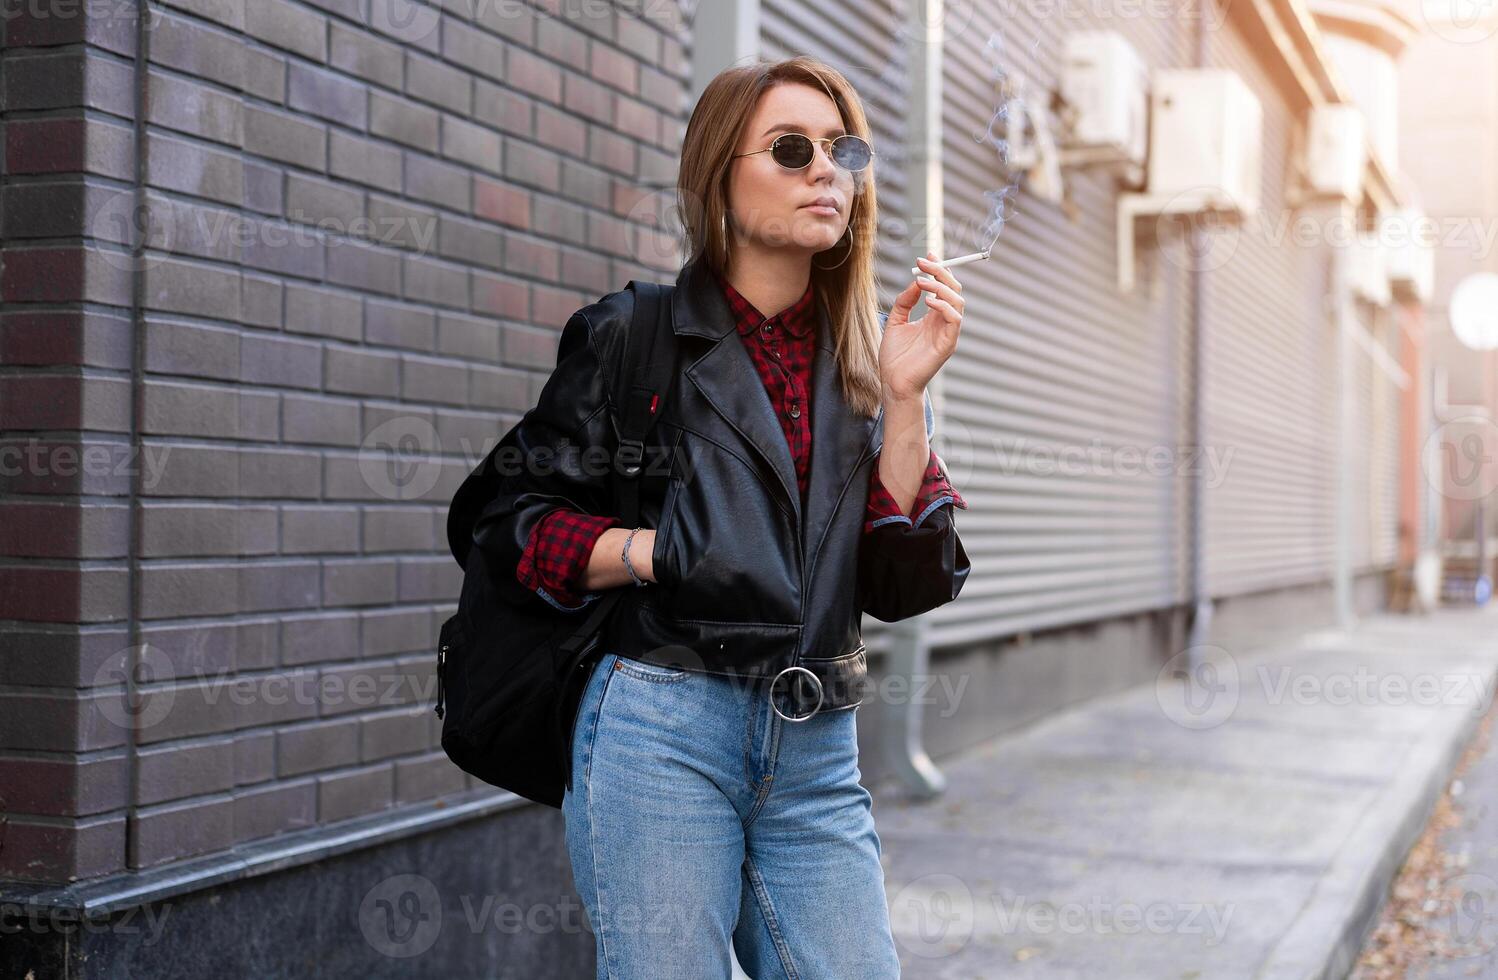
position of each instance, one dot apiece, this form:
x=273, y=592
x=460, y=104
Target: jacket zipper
x=441, y=671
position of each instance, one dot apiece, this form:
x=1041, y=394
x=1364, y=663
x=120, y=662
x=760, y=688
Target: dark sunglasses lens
x=850, y=152
x=792, y=150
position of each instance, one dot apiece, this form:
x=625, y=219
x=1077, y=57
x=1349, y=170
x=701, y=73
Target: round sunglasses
x=794, y=151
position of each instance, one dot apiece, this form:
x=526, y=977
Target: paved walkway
x=1245, y=827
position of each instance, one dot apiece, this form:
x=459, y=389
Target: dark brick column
x=359, y=222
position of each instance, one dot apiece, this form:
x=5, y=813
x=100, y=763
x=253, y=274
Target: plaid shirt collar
x=799, y=319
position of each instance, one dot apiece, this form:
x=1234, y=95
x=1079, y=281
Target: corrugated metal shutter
x=1054, y=360
x=1270, y=381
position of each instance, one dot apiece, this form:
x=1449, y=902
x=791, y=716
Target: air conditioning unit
x=1205, y=136
x=1367, y=275
x=1409, y=255
x=1107, y=84
x=1336, y=151
x=1206, y=131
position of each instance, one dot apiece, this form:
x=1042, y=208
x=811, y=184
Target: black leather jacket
x=748, y=582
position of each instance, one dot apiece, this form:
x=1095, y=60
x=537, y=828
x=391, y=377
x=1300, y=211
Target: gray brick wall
x=363, y=221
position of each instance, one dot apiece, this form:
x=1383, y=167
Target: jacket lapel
x=726, y=377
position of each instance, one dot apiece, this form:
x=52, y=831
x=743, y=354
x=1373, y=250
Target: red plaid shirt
x=782, y=348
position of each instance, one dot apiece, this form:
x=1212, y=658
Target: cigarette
x=959, y=260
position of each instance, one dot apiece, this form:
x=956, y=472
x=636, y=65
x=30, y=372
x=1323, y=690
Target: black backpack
x=510, y=674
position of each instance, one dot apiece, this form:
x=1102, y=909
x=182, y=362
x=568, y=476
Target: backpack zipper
x=441, y=670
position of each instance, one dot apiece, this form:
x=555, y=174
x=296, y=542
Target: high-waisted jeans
x=697, y=818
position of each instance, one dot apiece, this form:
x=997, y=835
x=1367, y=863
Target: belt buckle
x=776, y=680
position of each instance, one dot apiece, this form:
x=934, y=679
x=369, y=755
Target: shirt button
x=795, y=410
x=769, y=327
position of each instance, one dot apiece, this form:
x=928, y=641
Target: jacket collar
x=727, y=379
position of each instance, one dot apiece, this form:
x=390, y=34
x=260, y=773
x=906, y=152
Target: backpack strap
x=642, y=382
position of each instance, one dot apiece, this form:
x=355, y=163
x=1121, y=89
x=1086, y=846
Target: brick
x=260, y=301
x=198, y=50
x=364, y=161
x=514, y=22
x=325, y=312
x=289, y=26
x=411, y=22
x=195, y=288
x=470, y=144
x=207, y=530
x=612, y=66
x=402, y=224
x=355, y=793
x=319, y=637
x=387, y=631
x=561, y=131
x=424, y=579
x=271, y=359
x=264, y=74
x=192, y=168
x=332, y=96
x=85, y=338
x=254, y=761
x=287, y=249
x=526, y=163
x=265, y=810
x=402, y=120
x=356, y=263
x=474, y=242
x=285, y=137
x=393, y=733
x=442, y=283
x=280, y=585
x=319, y=530
x=47, y=401
x=191, y=349
x=200, y=110
x=398, y=325
x=177, y=771
x=263, y=187
x=500, y=295
x=426, y=777
x=444, y=86
x=528, y=73
x=321, y=421
x=427, y=379
x=186, y=409
x=501, y=202
x=436, y=182
x=389, y=529
x=359, y=582
x=317, y=747
x=362, y=372
x=185, y=829
x=361, y=53
x=332, y=207
x=476, y=50
x=469, y=337
x=505, y=110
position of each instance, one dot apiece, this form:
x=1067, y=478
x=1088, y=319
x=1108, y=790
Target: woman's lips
x=823, y=209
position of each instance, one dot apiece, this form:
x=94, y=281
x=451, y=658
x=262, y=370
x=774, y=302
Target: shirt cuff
x=935, y=490
x=556, y=556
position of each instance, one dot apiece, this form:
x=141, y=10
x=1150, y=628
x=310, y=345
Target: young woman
x=715, y=797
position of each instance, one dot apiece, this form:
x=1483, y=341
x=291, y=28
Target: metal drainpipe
x=909, y=649
x=1201, y=601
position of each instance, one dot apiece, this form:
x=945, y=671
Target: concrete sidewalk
x=1245, y=827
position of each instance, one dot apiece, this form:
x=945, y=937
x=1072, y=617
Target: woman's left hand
x=911, y=353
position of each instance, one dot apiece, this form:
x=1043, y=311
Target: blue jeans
x=698, y=817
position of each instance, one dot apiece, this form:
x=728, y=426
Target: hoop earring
x=848, y=232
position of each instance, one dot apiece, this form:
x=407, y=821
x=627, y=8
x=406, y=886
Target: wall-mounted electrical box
x=1409, y=255
x=1106, y=85
x=1206, y=130
x=1336, y=137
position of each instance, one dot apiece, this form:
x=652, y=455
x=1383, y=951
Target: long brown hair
x=847, y=290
